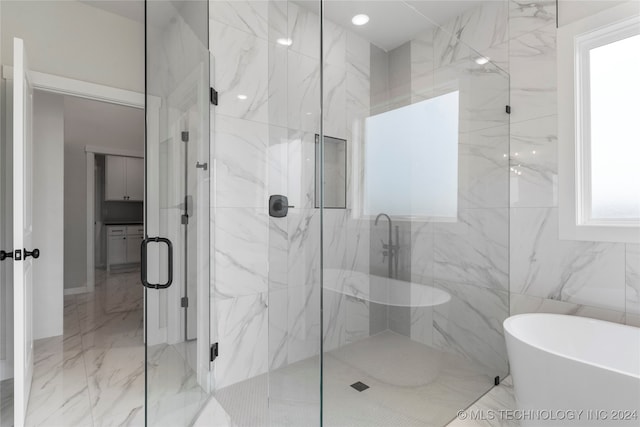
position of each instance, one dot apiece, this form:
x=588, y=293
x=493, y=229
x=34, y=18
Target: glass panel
x=266, y=287
x=177, y=208
x=615, y=130
x=335, y=177
x=415, y=270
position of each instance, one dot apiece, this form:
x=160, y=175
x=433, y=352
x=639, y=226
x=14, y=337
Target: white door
x=22, y=231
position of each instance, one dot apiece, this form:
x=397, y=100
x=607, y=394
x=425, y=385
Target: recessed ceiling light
x=482, y=60
x=242, y=97
x=360, y=19
x=285, y=41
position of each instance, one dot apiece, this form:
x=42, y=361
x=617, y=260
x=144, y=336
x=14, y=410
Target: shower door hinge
x=214, y=352
x=184, y=136
x=184, y=219
x=213, y=95
x=184, y=302
x=507, y=108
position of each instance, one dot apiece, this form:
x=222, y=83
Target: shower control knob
x=278, y=206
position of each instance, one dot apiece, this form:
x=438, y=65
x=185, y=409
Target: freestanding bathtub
x=574, y=371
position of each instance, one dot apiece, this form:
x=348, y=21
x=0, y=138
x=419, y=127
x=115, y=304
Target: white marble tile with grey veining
x=588, y=273
x=520, y=304
x=303, y=322
x=335, y=238
x=483, y=93
x=301, y=169
x=278, y=160
x=422, y=63
x=492, y=409
x=358, y=55
x=533, y=74
x=422, y=252
x=526, y=16
x=249, y=16
x=278, y=253
x=633, y=279
x=483, y=179
x=304, y=92
x=304, y=248
x=243, y=331
x=278, y=84
x=240, y=154
x=304, y=31
x=335, y=43
x=358, y=244
x=534, y=163
x=474, y=249
x=335, y=101
x=357, y=313
x=334, y=320
x=479, y=28
x=470, y=325
x=241, y=252
x=278, y=328
x=240, y=73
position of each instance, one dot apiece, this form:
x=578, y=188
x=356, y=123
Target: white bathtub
x=382, y=290
x=562, y=365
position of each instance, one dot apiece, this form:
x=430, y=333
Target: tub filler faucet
x=390, y=249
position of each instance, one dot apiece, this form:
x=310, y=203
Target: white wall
x=74, y=40
x=48, y=233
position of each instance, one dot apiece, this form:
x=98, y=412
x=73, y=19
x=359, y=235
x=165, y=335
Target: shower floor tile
x=410, y=384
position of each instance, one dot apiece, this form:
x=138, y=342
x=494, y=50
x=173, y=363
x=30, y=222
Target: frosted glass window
x=614, y=83
x=411, y=160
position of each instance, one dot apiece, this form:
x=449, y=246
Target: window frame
x=574, y=43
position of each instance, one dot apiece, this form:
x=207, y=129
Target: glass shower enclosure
x=336, y=200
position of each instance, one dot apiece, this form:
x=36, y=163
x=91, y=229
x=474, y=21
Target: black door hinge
x=184, y=302
x=214, y=352
x=184, y=219
x=213, y=96
x=184, y=136
x=507, y=108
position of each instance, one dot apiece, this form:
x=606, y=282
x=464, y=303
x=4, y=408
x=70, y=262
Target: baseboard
x=78, y=290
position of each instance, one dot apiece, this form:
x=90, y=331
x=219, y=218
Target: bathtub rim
x=507, y=325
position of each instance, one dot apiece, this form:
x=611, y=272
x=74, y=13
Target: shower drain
x=360, y=386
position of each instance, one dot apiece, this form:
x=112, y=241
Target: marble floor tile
x=93, y=375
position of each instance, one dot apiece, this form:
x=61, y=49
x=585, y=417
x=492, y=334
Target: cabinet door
x=115, y=182
x=135, y=178
x=117, y=249
x=133, y=248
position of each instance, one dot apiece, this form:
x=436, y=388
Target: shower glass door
x=176, y=247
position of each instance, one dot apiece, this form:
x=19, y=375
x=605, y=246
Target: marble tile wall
x=468, y=259
x=265, y=284
x=592, y=279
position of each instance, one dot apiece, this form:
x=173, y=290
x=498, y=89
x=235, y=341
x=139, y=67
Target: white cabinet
x=124, y=178
x=123, y=244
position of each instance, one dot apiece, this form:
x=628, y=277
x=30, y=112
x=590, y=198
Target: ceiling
x=392, y=22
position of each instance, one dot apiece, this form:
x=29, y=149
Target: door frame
x=112, y=95
x=97, y=92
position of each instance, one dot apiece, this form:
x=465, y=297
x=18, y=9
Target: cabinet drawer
x=116, y=231
x=135, y=230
